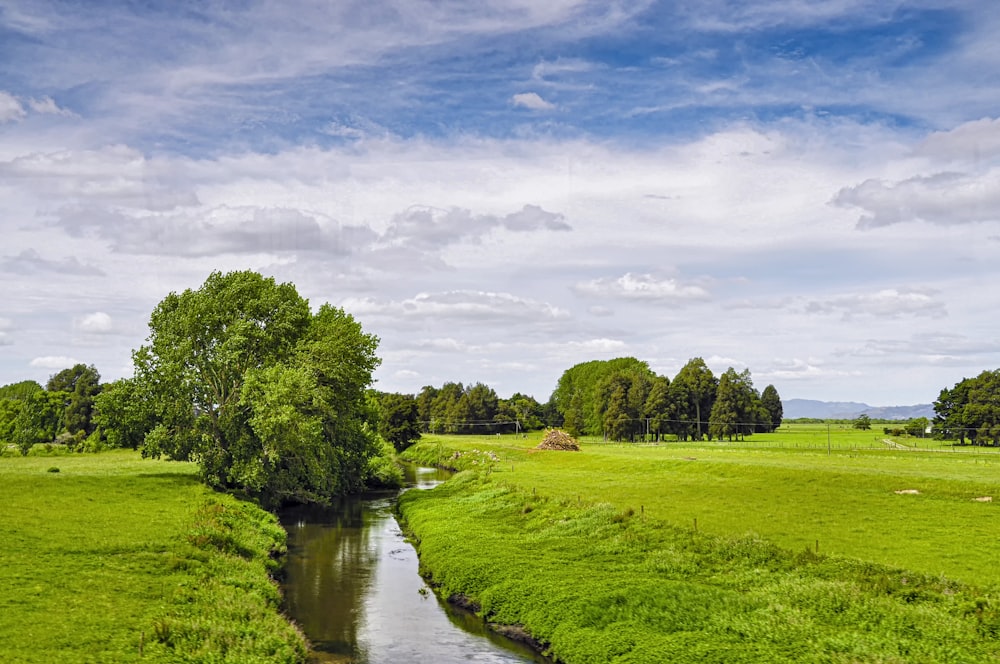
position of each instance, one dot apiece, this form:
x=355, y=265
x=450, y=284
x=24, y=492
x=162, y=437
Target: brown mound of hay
x=558, y=440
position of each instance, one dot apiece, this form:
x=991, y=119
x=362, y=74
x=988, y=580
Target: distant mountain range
x=848, y=410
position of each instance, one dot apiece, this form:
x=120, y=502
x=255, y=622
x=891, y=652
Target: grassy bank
x=597, y=554
x=111, y=558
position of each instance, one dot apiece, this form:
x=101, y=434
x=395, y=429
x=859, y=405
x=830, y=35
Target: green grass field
x=597, y=552
x=118, y=559
x=786, y=488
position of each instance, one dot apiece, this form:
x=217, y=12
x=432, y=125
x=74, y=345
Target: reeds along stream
x=352, y=585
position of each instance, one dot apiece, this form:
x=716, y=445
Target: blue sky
x=499, y=190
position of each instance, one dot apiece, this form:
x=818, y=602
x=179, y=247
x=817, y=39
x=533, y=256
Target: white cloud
x=598, y=346
x=642, y=287
x=531, y=101
x=946, y=198
x=54, y=362
x=10, y=108
x=467, y=305
x=95, y=323
x=48, y=106
x=887, y=303
x=971, y=142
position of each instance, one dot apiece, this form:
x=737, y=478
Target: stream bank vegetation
x=709, y=552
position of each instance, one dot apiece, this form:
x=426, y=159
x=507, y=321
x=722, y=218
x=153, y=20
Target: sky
x=502, y=189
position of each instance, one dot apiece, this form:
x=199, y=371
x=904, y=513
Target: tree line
x=619, y=399
x=623, y=399
x=63, y=411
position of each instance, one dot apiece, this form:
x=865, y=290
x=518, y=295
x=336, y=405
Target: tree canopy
x=971, y=409
x=266, y=396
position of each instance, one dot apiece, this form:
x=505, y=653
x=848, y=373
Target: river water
x=352, y=585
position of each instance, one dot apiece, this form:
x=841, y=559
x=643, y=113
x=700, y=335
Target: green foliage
x=268, y=398
x=582, y=394
x=562, y=545
x=124, y=413
x=737, y=410
x=863, y=422
x=771, y=402
x=398, y=423
x=82, y=383
x=118, y=559
x=473, y=409
x=694, y=388
x=20, y=391
x=39, y=419
x=971, y=408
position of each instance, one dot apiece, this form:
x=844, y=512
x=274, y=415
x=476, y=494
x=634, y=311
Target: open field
x=118, y=559
x=788, y=489
x=597, y=553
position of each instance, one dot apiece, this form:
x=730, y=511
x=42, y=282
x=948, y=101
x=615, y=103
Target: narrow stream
x=352, y=585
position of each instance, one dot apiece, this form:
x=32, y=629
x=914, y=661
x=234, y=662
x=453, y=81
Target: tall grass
x=118, y=559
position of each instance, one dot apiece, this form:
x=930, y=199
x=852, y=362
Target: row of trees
x=623, y=399
x=970, y=409
x=461, y=409
x=63, y=410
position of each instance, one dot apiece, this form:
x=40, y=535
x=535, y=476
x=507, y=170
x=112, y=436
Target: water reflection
x=352, y=585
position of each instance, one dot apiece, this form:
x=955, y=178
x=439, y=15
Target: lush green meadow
x=118, y=559
x=598, y=554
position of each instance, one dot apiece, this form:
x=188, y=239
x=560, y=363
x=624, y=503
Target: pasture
x=788, y=488
x=708, y=551
x=112, y=558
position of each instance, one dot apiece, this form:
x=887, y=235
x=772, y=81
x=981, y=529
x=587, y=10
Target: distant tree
x=949, y=410
x=698, y=386
x=863, y=422
x=658, y=407
x=917, y=427
x=425, y=400
x=771, y=402
x=124, y=413
x=981, y=414
x=82, y=383
x=526, y=409
x=398, y=422
x=578, y=397
x=736, y=408
x=20, y=391
x=40, y=419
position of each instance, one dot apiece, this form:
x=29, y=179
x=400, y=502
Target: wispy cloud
x=532, y=101
x=642, y=287
x=30, y=261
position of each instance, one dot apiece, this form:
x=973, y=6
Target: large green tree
x=267, y=397
x=580, y=396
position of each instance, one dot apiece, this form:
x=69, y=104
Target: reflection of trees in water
x=330, y=566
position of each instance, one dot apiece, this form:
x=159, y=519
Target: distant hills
x=848, y=410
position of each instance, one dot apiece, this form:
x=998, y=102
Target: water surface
x=352, y=585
